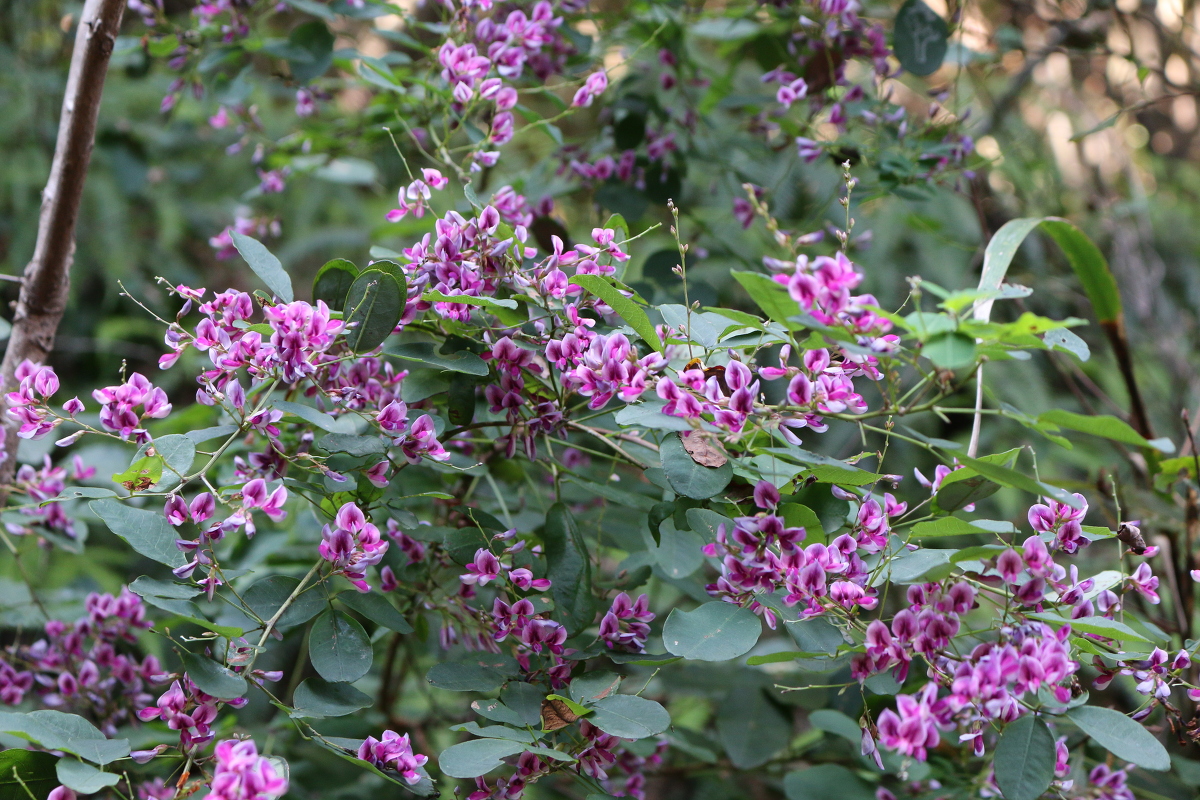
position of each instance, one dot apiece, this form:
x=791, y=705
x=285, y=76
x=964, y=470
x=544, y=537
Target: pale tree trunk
x=46, y=281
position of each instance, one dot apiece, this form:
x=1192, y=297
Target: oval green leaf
x=374, y=306
x=1121, y=736
x=265, y=265
x=339, y=648
x=689, y=478
x=1025, y=759
x=629, y=717
x=333, y=283
x=713, y=632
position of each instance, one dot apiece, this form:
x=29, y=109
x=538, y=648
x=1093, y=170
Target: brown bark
x=45, y=286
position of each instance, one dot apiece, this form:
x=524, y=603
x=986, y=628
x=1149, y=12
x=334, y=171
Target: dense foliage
x=613, y=459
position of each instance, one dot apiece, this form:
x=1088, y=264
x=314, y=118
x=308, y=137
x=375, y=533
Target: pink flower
x=394, y=752
x=483, y=570
x=593, y=87
x=240, y=773
x=911, y=729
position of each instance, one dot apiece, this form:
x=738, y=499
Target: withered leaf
x=1132, y=536
x=703, y=450
x=556, y=714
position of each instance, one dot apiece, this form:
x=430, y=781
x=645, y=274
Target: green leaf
x=826, y=781
x=484, y=673
x=724, y=29
x=628, y=310
x=188, y=610
x=750, y=728
x=374, y=306
x=837, y=723
x=945, y=526
x=594, y=686
x=920, y=38
x=178, y=452
x=81, y=777
x=461, y=397
x=213, y=678
x=85, y=493
x=625, y=498
x=497, y=712
x=477, y=758
x=147, y=532
x=1063, y=339
x=1121, y=736
x=950, y=350
x=208, y=434
x=627, y=716
x=1086, y=260
x=815, y=635
x=376, y=608
x=1025, y=759
x=142, y=474
x=353, y=445
x=424, y=352
x=265, y=265
x=569, y=570
x=649, y=414
x=523, y=699
x=1090, y=267
x=333, y=283
x=315, y=38
x=678, y=553
x=325, y=422
x=770, y=296
x=1100, y=626
x=267, y=596
x=1105, y=426
x=496, y=731
x=152, y=587
x=706, y=522
x=689, y=478
x=1010, y=477
x=713, y=632
x=339, y=648
x=55, y=730
x=919, y=566
x=36, y=770
x=490, y=303
x=347, y=750
x=317, y=697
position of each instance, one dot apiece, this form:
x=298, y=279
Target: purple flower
x=1144, y=582
x=912, y=728
x=626, y=623
x=483, y=570
x=352, y=544
x=523, y=579
x=593, y=87
x=394, y=752
x=240, y=773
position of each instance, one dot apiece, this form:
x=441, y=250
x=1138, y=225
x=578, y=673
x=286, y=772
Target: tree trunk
x=46, y=283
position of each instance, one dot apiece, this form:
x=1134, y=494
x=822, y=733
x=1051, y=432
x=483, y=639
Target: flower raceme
x=352, y=545
x=394, y=752
x=240, y=773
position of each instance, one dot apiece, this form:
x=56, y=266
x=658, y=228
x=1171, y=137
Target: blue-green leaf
x=1123, y=737
x=339, y=648
x=265, y=265
x=713, y=632
x=1025, y=759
